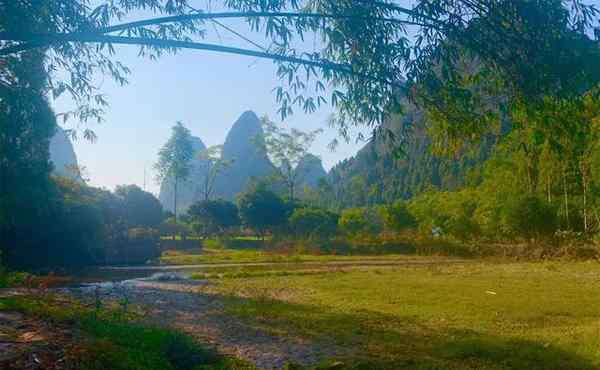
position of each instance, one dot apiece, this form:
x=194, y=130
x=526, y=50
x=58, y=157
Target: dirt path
x=27, y=343
x=182, y=305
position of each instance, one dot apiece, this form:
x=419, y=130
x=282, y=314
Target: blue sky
x=207, y=91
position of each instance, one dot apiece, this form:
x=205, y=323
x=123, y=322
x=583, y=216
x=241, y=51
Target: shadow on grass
x=372, y=340
x=362, y=339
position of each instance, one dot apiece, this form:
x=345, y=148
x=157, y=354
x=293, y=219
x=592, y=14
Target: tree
x=357, y=222
x=313, y=223
x=27, y=195
x=213, y=164
x=214, y=217
x=370, y=50
x=174, y=159
x=286, y=149
x=262, y=210
x=142, y=209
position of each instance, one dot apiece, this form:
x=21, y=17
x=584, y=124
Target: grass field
x=210, y=255
x=475, y=315
x=252, y=250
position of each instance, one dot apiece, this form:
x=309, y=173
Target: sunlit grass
x=475, y=315
x=257, y=256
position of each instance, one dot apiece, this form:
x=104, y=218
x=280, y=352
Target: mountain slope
x=62, y=155
x=249, y=158
x=376, y=174
x=311, y=169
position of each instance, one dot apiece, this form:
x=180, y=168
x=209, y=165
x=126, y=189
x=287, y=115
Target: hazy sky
x=207, y=91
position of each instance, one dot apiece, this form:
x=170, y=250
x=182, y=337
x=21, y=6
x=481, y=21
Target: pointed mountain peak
x=197, y=144
x=248, y=116
x=311, y=169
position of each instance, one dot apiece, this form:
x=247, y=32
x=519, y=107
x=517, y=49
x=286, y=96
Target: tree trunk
x=175, y=206
x=548, y=188
x=584, y=184
x=566, y=196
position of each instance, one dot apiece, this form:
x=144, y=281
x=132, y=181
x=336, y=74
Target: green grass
x=253, y=250
x=109, y=340
x=479, y=315
x=244, y=251
x=257, y=256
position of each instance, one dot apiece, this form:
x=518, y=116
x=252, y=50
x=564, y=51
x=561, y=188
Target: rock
x=62, y=155
x=243, y=146
x=166, y=276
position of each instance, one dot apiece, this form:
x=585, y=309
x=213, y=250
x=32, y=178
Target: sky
x=206, y=91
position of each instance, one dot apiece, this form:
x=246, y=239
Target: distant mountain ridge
x=249, y=161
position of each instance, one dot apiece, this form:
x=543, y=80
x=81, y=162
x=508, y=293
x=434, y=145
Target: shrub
x=358, y=222
x=397, y=217
x=311, y=223
x=531, y=217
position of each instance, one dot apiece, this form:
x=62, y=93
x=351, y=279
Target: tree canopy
x=370, y=54
x=287, y=149
x=213, y=217
x=262, y=210
x=142, y=209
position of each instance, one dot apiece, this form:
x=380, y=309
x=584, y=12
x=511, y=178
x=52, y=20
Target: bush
x=313, y=223
x=213, y=217
x=359, y=222
x=531, y=217
x=397, y=217
x=140, y=246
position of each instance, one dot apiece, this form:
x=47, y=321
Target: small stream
x=130, y=275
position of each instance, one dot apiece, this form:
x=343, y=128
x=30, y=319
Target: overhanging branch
x=223, y=15
x=176, y=44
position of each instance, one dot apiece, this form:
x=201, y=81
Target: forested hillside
x=387, y=169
